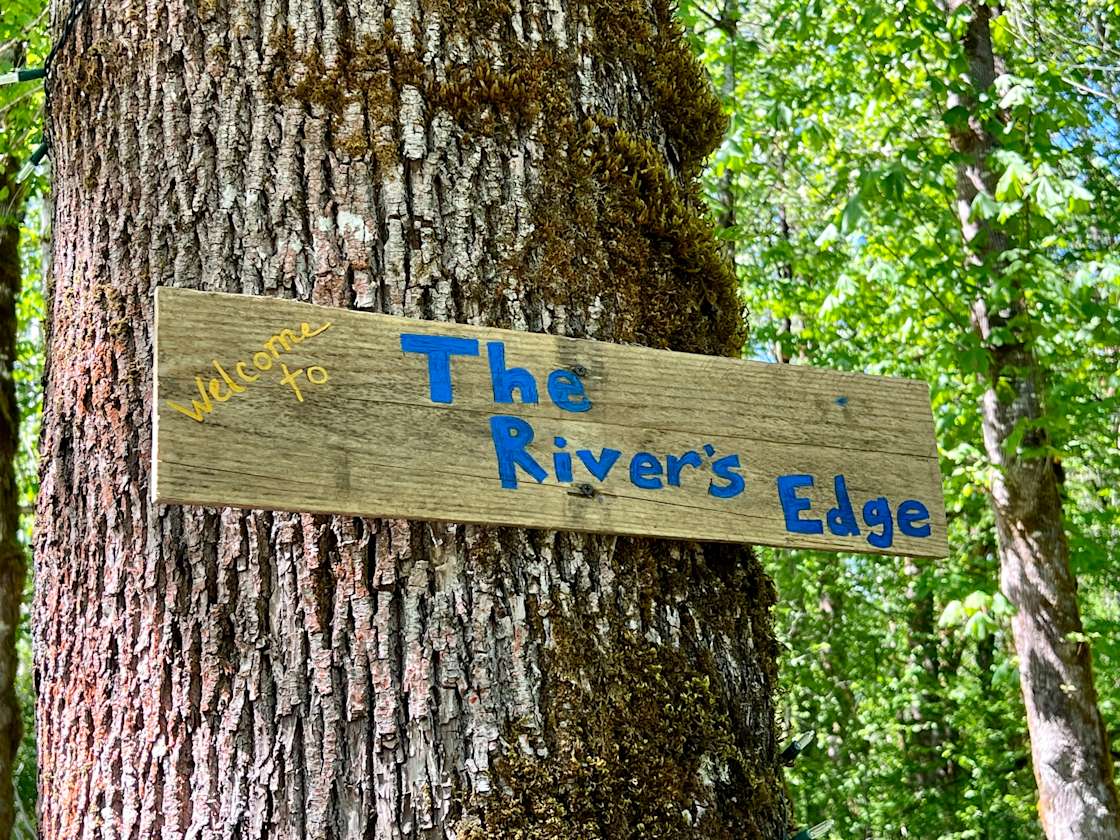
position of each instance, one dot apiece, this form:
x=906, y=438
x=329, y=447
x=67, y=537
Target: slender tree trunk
x=216, y=673
x=12, y=562
x=1069, y=743
x=729, y=25
x=842, y=739
x=928, y=730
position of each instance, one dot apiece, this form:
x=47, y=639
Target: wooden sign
x=265, y=403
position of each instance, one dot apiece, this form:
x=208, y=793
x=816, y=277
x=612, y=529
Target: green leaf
x=1009, y=209
x=976, y=602
x=953, y=615
x=984, y=206
x=1045, y=190
x=974, y=359
x=853, y=213
x=1001, y=607
x=1079, y=199
x=956, y=117
x=979, y=627
x=1014, y=179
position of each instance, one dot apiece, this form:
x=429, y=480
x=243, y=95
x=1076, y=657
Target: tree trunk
x=927, y=731
x=1069, y=743
x=12, y=563
x=842, y=739
x=216, y=673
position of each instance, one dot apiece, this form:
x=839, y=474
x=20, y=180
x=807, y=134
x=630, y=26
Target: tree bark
x=1069, y=743
x=217, y=673
x=12, y=563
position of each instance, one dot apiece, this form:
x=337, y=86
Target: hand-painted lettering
x=912, y=516
x=290, y=378
x=562, y=462
x=645, y=471
x=233, y=386
x=793, y=505
x=725, y=468
x=243, y=372
x=216, y=392
x=507, y=380
x=286, y=339
x=521, y=454
x=566, y=390
x=842, y=519
x=224, y=386
x=913, y=519
x=197, y=411
x=512, y=436
x=675, y=463
x=439, y=349
x=877, y=514
x=599, y=467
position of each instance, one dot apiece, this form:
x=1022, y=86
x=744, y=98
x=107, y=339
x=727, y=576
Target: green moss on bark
x=607, y=203
x=641, y=740
x=680, y=95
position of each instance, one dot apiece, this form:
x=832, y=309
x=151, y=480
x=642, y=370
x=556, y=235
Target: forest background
x=835, y=192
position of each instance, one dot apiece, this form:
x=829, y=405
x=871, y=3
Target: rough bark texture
x=1069, y=743
x=208, y=673
x=12, y=563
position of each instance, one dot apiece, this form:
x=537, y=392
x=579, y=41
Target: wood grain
x=253, y=442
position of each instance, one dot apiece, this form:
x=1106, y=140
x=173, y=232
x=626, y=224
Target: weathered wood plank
x=237, y=425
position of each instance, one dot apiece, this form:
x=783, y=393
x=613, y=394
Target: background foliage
x=836, y=185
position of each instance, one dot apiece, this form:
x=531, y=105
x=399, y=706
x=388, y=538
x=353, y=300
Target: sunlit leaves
x=23, y=43
x=851, y=256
